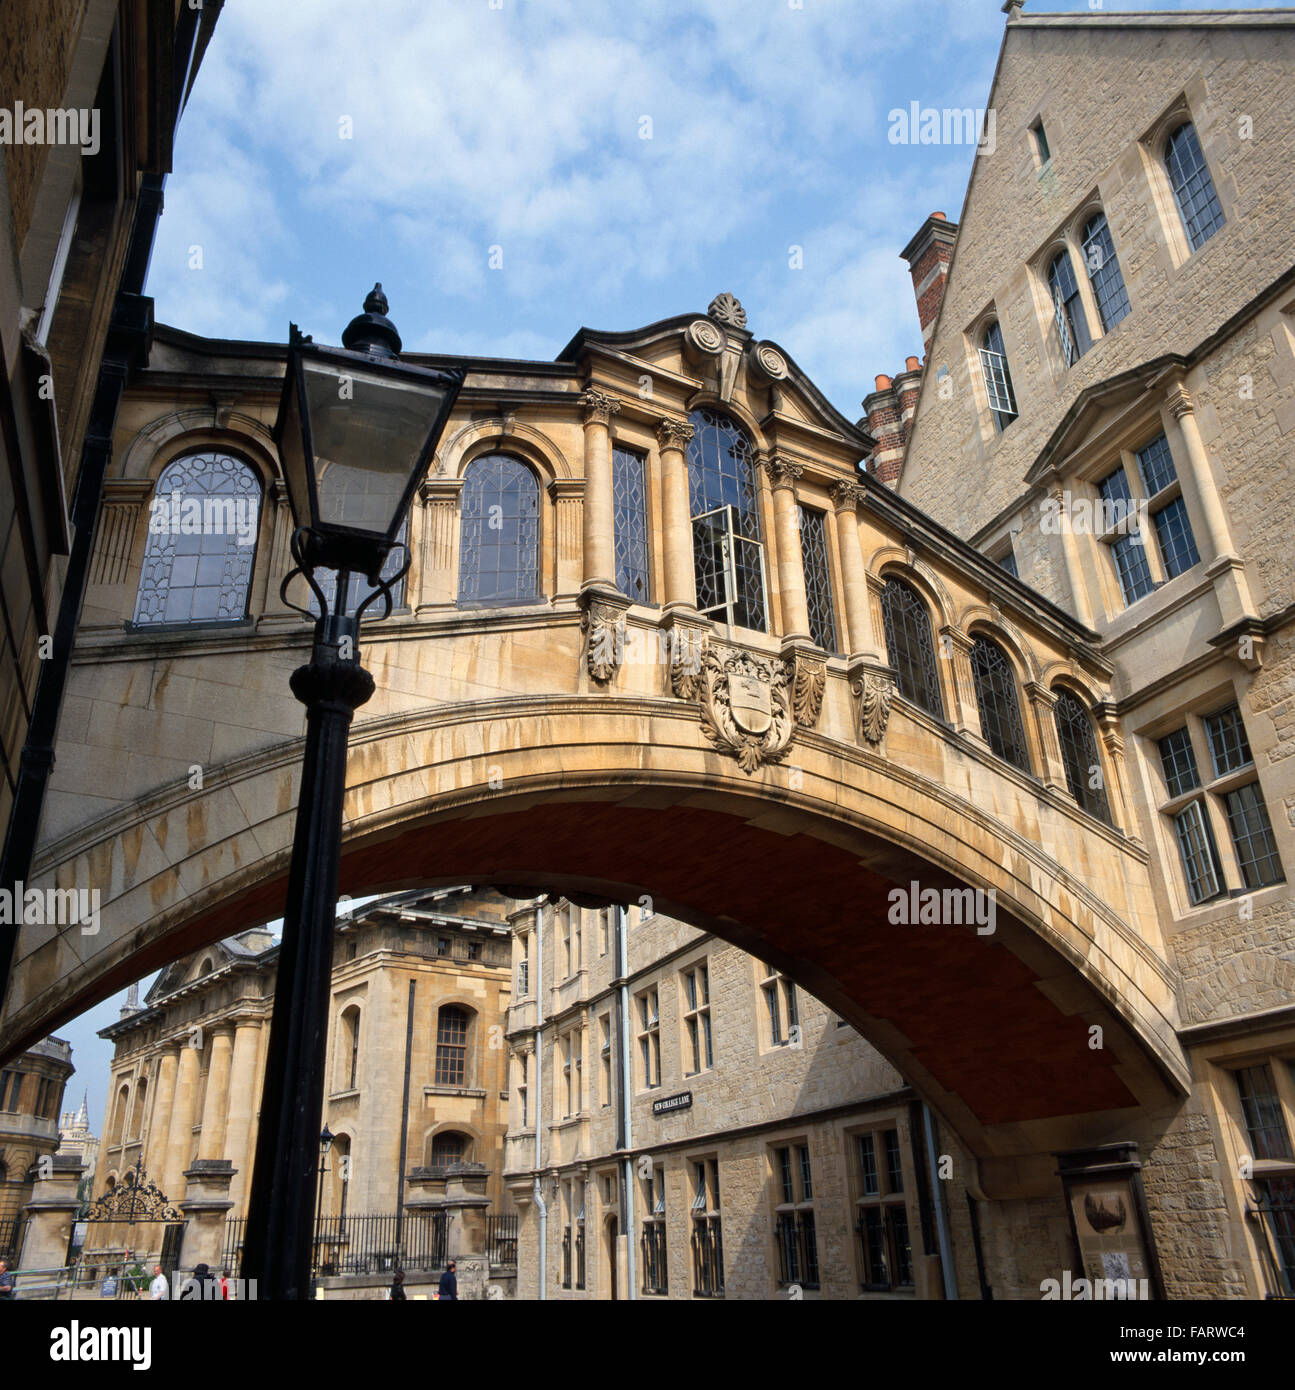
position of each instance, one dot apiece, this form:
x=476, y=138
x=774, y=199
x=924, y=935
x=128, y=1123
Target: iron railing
x=370, y=1244
x=501, y=1241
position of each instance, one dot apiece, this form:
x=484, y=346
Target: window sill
x=133, y=629
x=351, y=1094
x=468, y=1092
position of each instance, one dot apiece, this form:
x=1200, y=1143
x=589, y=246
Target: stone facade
x=1204, y=358
x=31, y=1092
x=756, y=1078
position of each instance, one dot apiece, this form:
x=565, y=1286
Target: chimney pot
x=912, y=364
x=883, y=383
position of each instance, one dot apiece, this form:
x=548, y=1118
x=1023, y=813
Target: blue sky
x=520, y=125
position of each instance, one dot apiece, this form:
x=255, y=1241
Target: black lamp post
x=326, y=1137
x=356, y=431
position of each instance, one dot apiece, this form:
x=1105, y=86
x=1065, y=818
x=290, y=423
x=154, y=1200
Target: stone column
x=125, y=504
x=1070, y=553
x=160, y=1118
x=50, y=1213
x=1043, y=702
x=215, y=1106
x=1116, y=793
x=1225, y=568
x=244, y=1098
x=861, y=639
x=206, y=1204
x=680, y=581
x=438, y=548
x=179, y=1141
x=599, y=520
x=568, y=495
x=281, y=555
x=955, y=646
x=783, y=473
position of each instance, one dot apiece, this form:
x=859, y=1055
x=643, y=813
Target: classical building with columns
x=1107, y=409
x=420, y=989
x=31, y=1095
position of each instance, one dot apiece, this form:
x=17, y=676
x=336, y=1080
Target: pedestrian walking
x=397, y=1291
x=160, y=1289
x=6, y=1282
x=202, y=1285
x=449, y=1286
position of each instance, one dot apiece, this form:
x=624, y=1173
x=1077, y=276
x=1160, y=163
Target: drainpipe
x=539, y=1095
x=626, y=1117
x=941, y=1210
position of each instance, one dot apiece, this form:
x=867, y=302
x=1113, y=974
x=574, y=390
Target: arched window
x=728, y=556
x=452, y=1046
x=1000, y=711
x=349, y=1050
x=1189, y=177
x=1104, y=272
x=909, y=645
x=447, y=1147
x=499, y=543
x=201, y=542
x=1079, y=755
x=119, y=1117
x=141, y=1105
x=1068, y=309
x=998, y=379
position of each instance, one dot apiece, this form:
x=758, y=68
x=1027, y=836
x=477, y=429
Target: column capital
x=846, y=496
x=783, y=471
x=1040, y=694
x=439, y=488
x=566, y=489
x=1180, y=401
x=673, y=434
x=596, y=407
x=958, y=639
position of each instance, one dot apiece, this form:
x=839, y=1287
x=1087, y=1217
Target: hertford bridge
x=660, y=637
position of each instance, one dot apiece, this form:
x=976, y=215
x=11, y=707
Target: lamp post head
x=372, y=331
x=326, y=1139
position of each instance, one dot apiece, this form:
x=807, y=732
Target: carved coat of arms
x=746, y=706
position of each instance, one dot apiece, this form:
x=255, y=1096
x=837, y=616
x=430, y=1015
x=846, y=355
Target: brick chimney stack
x=928, y=256
x=889, y=412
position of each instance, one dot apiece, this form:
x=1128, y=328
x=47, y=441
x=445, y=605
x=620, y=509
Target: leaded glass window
x=1104, y=272
x=1199, y=855
x=1072, y=325
x=998, y=379
x=201, y=543
x=1179, y=762
x=629, y=508
x=1174, y=533
x=1252, y=837
x=1079, y=756
x=358, y=587
x=1000, y=711
x=499, y=544
x=1261, y=1107
x=1189, y=176
x=1130, y=556
x=818, y=586
x=1229, y=746
x=1156, y=464
x=910, y=647
x=728, y=555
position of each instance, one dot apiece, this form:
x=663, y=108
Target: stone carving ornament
x=874, y=693
x=746, y=706
x=807, y=691
x=604, y=624
x=726, y=309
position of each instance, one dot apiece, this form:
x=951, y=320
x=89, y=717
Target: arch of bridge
x=620, y=795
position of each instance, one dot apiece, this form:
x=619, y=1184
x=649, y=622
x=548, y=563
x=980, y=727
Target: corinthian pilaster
x=599, y=520
x=438, y=543
x=680, y=582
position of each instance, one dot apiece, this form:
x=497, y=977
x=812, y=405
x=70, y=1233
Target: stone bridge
x=660, y=638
